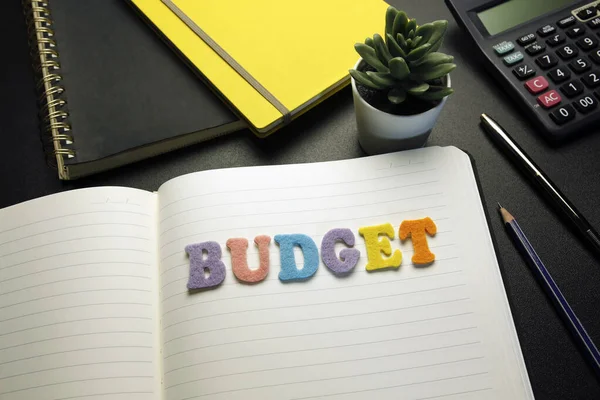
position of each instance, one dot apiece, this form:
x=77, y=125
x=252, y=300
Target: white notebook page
x=438, y=332
x=78, y=287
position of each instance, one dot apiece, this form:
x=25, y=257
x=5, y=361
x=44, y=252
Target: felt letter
x=348, y=257
x=376, y=246
x=239, y=261
x=212, y=264
x=416, y=230
x=289, y=271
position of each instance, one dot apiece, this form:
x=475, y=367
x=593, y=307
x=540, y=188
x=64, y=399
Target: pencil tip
x=500, y=206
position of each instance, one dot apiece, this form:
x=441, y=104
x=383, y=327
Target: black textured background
x=556, y=368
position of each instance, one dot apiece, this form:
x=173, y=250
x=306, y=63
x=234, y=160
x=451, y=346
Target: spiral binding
x=56, y=137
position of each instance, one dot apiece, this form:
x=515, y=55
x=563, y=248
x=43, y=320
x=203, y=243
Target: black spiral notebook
x=111, y=91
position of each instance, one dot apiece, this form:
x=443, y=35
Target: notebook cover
x=124, y=87
x=299, y=51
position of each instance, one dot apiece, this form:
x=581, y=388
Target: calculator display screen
x=514, y=12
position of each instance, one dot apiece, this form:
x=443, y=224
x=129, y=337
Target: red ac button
x=537, y=84
x=549, y=99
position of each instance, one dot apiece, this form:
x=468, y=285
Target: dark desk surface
x=556, y=369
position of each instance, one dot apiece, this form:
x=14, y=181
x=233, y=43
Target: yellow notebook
x=297, y=52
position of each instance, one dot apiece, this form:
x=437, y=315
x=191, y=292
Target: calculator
x=545, y=53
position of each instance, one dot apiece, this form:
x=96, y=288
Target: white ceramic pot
x=381, y=132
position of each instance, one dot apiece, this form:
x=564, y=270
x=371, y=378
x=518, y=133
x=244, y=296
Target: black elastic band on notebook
x=230, y=60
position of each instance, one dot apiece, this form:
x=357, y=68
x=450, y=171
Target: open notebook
x=94, y=303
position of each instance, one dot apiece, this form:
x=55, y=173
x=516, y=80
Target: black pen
x=503, y=139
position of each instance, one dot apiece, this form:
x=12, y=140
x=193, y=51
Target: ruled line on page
x=299, y=211
x=76, y=265
x=316, y=319
x=75, y=252
x=77, y=306
x=393, y=386
x=78, y=365
x=75, y=240
x=76, y=214
x=74, y=227
x=103, y=394
x=344, y=345
x=76, y=380
x=296, y=186
x=75, y=279
x=75, y=350
x=342, y=377
x=287, y=307
x=332, y=362
x=455, y=393
x=311, y=290
x=353, y=392
x=79, y=334
x=320, y=221
x=73, y=322
x=334, y=331
x=297, y=198
x=77, y=292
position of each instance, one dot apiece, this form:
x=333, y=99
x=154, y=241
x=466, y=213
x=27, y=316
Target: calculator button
x=513, y=58
x=595, y=23
x=580, y=65
x=535, y=48
x=546, y=61
x=586, y=104
x=595, y=56
x=546, y=30
x=587, y=13
x=572, y=88
x=592, y=79
x=523, y=71
x=563, y=115
x=575, y=31
x=525, y=40
x=557, y=39
x=587, y=43
x=567, y=52
x=566, y=22
x=504, y=47
x=559, y=74
x=549, y=99
x=536, y=84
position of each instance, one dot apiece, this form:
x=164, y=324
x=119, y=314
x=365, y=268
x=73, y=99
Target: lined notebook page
x=437, y=332
x=78, y=294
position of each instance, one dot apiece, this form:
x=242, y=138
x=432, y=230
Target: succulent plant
x=406, y=62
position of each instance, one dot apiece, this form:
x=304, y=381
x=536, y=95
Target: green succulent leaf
x=436, y=46
x=368, y=54
x=417, y=40
x=419, y=52
x=396, y=95
x=416, y=88
x=398, y=68
x=431, y=60
x=394, y=47
x=381, y=49
x=369, y=42
x=381, y=78
x=432, y=73
x=411, y=26
x=409, y=43
x=439, y=30
x=399, y=23
x=411, y=34
x=426, y=31
x=364, y=79
x=390, y=16
x=436, y=93
x=401, y=41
